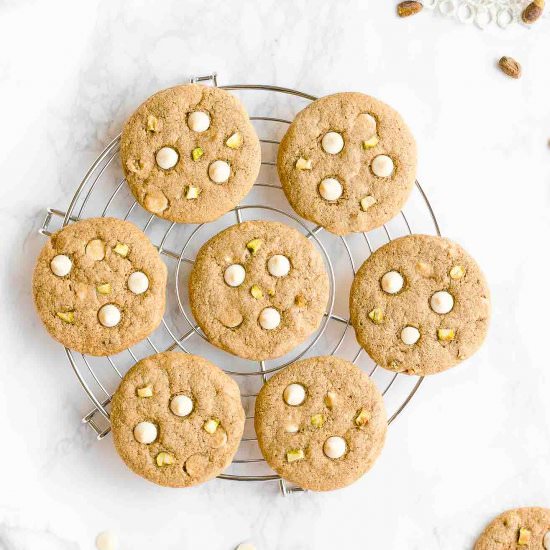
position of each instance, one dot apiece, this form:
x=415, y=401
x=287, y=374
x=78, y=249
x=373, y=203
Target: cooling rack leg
x=286, y=490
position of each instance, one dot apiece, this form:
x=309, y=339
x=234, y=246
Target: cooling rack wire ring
x=100, y=396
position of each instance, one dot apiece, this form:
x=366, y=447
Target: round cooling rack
x=103, y=192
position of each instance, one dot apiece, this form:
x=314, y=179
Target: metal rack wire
x=103, y=192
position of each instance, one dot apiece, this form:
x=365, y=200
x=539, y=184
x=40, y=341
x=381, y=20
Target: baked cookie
x=99, y=286
x=524, y=528
x=190, y=153
x=177, y=419
x=258, y=289
x=347, y=163
x=321, y=423
x=419, y=305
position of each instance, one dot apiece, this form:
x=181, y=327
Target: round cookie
x=258, y=289
x=190, y=153
x=99, y=286
x=177, y=419
x=527, y=528
x=347, y=162
x=420, y=305
x=321, y=423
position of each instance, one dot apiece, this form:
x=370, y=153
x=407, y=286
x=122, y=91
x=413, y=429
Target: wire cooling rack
x=103, y=192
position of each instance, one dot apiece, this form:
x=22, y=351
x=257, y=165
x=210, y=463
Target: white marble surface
x=473, y=442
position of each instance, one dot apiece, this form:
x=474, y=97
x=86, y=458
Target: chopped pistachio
x=165, y=459
x=363, y=416
x=122, y=249
x=192, y=192
x=153, y=123
x=367, y=202
x=330, y=399
x=234, y=141
x=134, y=165
x=294, y=455
x=104, y=288
x=271, y=292
x=304, y=164
x=67, y=316
x=197, y=153
x=445, y=334
x=376, y=315
x=524, y=536
x=146, y=391
x=256, y=291
x=254, y=245
x=370, y=143
x=300, y=301
x=457, y=272
x=211, y=425
x=317, y=420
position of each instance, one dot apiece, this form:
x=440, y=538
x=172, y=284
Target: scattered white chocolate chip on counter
x=109, y=315
x=410, y=335
x=269, y=318
x=294, y=395
x=145, y=432
x=61, y=265
x=246, y=546
x=138, y=282
x=234, y=275
x=442, y=302
x=219, y=171
x=335, y=447
x=108, y=540
x=392, y=282
x=278, y=265
x=382, y=166
x=167, y=158
x=330, y=189
x=181, y=405
x=332, y=143
x=198, y=121
x=546, y=541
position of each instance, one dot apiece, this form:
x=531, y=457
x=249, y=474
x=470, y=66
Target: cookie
x=177, y=419
x=420, y=305
x=190, y=153
x=258, y=289
x=523, y=528
x=99, y=286
x=321, y=423
x=347, y=163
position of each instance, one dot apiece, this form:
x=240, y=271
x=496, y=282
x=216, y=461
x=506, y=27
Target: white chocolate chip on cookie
x=335, y=447
x=61, y=265
x=442, y=302
x=109, y=315
x=138, y=282
x=198, y=121
x=291, y=428
x=392, y=282
x=167, y=158
x=145, y=432
x=332, y=143
x=269, y=318
x=330, y=189
x=294, y=395
x=234, y=275
x=219, y=171
x=278, y=265
x=95, y=250
x=181, y=405
x=382, y=166
x=410, y=335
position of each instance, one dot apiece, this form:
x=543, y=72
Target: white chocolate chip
x=382, y=166
x=410, y=335
x=109, y=315
x=138, y=282
x=61, y=265
x=145, y=432
x=106, y=541
x=442, y=302
x=198, y=121
x=392, y=282
x=330, y=189
x=181, y=405
x=278, y=265
x=291, y=428
x=294, y=394
x=546, y=541
x=167, y=158
x=219, y=171
x=234, y=275
x=246, y=546
x=335, y=447
x=332, y=143
x=269, y=318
